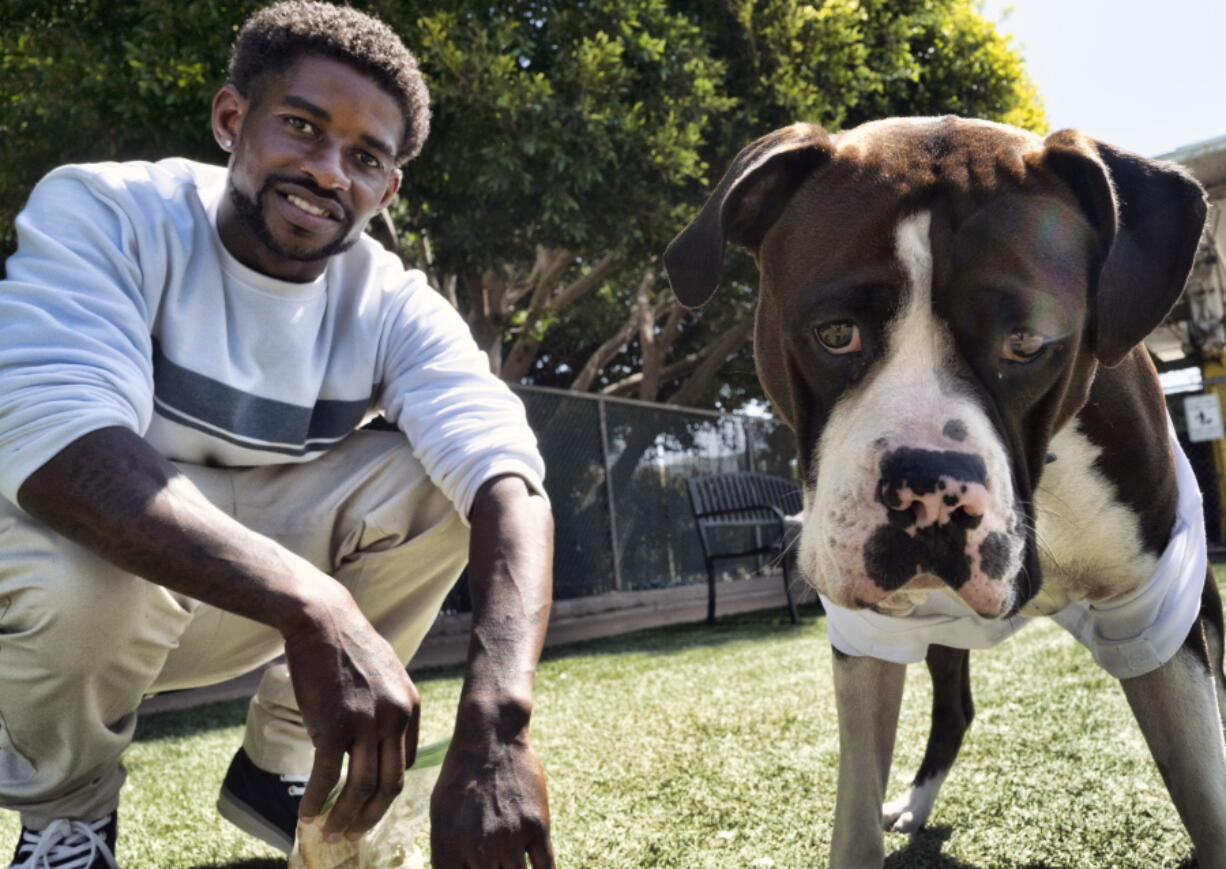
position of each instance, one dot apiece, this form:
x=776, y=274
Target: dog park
x=604, y=404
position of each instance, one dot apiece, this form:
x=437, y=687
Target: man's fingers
x=324, y=774
x=390, y=783
x=361, y=782
x=411, y=729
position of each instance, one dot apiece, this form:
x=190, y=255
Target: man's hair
x=275, y=38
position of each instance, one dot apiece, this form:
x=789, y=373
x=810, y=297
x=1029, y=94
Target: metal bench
x=761, y=502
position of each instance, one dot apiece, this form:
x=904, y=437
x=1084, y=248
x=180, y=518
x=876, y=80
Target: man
x=185, y=354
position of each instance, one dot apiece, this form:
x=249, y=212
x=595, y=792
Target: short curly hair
x=275, y=38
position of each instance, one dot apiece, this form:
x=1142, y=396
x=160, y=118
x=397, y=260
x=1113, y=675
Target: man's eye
x=300, y=124
x=370, y=161
x=839, y=336
x=1023, y=345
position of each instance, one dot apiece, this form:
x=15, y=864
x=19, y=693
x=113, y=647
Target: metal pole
x=747, y=426
x=608, y=485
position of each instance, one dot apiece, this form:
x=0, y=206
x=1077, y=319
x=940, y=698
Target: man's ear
x=393, y=185
x=743, y=206
x=1149, y=216
x=229, y=110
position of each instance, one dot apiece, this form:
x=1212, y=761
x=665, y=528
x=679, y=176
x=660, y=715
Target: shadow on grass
x=256, y=863
x=924, y=852
x=188, y=722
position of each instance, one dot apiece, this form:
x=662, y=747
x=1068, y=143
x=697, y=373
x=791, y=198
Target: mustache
x=307, y=184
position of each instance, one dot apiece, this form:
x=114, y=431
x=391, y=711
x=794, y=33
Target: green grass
x=704, y=747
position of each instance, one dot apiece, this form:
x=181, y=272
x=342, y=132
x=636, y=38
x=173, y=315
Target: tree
x=580, y=137
x=571, y=140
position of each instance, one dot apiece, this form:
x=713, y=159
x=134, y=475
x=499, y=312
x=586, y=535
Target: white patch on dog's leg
x=1177, y=709
x=913, y=809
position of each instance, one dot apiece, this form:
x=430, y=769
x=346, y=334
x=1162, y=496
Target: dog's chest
x=1090, y=543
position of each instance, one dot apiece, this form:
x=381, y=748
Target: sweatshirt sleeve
x=464, y=424
x=74, y=335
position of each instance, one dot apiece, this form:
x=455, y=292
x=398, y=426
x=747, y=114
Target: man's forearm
x=510, y=578
x=114, y=494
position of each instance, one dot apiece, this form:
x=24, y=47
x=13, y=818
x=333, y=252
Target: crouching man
x=187, y=353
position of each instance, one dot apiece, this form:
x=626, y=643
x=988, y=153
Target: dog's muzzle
x=925, y=518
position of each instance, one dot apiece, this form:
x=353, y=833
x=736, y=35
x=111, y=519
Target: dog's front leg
x=868, y=693
x=1176, y=706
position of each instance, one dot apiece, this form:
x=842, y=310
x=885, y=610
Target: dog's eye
x=839, y=336
x=1023, y=345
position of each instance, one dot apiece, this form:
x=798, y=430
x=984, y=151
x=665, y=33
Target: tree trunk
x=485, y=318
x=720, y=351
x=605, y=352
x=545, y=302
x=656, y=345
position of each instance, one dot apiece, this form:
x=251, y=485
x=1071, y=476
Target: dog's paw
x=896, y=817
x=910, y=812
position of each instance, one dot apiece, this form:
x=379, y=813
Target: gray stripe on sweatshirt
x=250, y=420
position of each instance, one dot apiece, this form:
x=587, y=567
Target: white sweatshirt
x=123, y=308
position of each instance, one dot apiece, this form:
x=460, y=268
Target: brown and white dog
x=949, y=319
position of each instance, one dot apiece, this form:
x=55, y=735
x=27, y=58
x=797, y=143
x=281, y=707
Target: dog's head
x=936, y=295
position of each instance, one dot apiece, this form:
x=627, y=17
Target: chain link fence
x=616, y=472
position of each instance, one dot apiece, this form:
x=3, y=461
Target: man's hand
x=489, y=807
x=355, y=698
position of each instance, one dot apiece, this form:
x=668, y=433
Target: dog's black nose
x=933, y=487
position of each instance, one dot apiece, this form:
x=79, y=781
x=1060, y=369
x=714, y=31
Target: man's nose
x=932, y=487
x=325, y=165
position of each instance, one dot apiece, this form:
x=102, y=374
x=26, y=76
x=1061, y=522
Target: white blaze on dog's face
x=913, y=489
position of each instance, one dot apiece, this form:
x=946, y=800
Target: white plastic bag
x=390, y=844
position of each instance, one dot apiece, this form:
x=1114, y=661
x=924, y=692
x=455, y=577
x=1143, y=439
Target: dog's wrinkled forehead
x=992, y=213
x=912, y=155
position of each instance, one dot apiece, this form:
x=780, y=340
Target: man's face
x=314, y=159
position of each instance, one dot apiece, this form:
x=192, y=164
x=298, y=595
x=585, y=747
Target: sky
x=1145, y=75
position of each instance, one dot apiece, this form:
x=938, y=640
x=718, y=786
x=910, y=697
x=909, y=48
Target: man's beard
x=249, y=211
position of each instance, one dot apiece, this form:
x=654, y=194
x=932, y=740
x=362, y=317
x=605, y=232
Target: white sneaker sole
x=251, y=822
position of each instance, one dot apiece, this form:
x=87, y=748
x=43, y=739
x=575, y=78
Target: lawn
x=704, y=747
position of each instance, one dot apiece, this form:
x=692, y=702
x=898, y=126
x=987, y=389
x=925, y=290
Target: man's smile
x=307, y=207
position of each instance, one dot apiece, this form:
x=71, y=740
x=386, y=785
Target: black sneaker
x=68, y=844
x=261, y=804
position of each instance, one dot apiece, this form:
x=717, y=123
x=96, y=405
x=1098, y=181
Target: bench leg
x=711, y=591
x=787, y=588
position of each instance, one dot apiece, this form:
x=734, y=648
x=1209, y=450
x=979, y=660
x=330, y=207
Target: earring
x=227, y=144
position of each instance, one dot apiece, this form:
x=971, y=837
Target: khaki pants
x=82, y=642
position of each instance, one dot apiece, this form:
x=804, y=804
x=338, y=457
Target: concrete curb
x=571, y=621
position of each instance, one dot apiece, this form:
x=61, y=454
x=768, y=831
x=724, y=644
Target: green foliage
x=84, y=80
x=566, y=124
x=594, y=126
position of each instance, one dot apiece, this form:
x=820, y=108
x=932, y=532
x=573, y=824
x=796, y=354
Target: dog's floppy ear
x=1149, y=216
x=742, y=207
